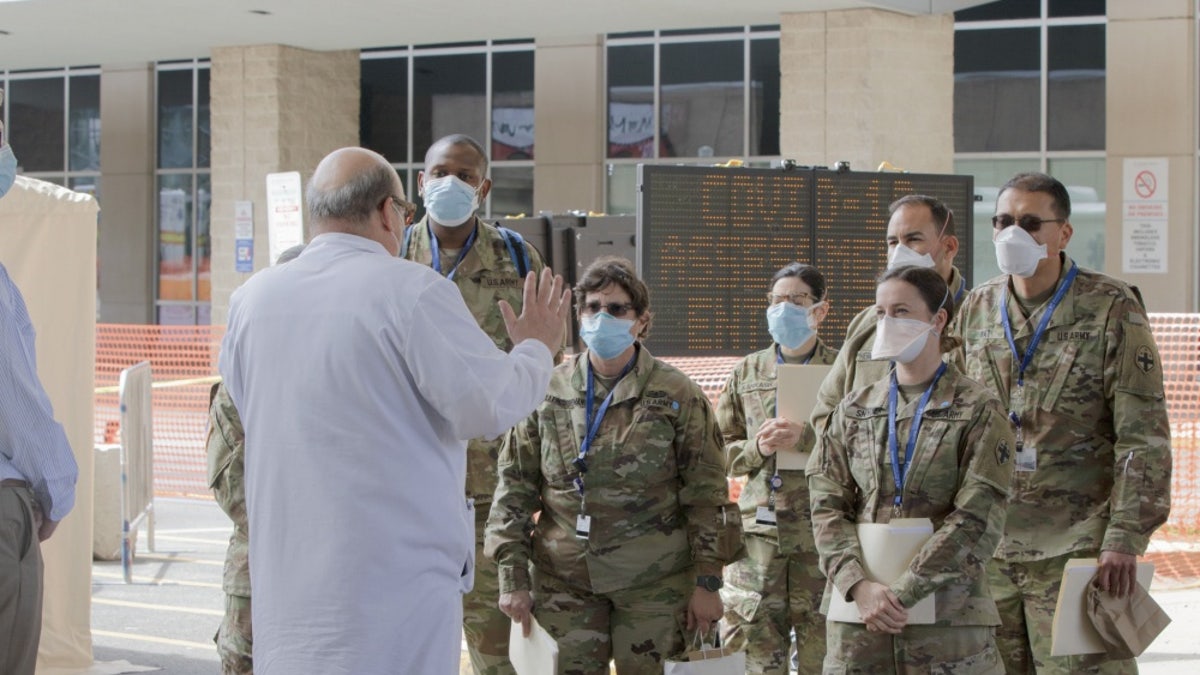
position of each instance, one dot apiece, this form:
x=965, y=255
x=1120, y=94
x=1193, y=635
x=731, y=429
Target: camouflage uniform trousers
x=485, y=627
x=636, y=628
x=234, y=638
x=766, y=596
x=927, y=650
x=1025, y=594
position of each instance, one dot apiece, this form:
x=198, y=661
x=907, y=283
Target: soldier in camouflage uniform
x=226, y=449
x=919, y=226
x=1093, y=461
x=226, y=470
x=485, y=273
x=777, y=587
x=635, y=523
x=956, y=472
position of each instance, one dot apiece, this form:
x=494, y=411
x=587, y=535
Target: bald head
x=347, y=186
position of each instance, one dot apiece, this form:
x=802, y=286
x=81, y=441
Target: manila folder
x=533, y=655
x=887, y=550
x=796, y=389
x=1072, y=631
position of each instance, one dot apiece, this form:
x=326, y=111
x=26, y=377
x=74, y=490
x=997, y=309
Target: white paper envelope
x=796, y=388
x=887, y=549
x=533, y=655
x=1072, y=631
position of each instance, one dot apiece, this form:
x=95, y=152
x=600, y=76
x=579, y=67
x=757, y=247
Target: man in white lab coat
x=359, y=378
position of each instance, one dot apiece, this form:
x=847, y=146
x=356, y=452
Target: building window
x=700, y=95
x=997, y=104
x=411, y=96
x=52, y=119
x=184, y=193
x=1029, y=95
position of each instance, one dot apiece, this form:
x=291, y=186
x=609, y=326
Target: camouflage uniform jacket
x=958, y=477
x=226, y=447
x=748, y=400
x=485, y=276
x=1093, y=410
x=655, y=485
x=854, y=368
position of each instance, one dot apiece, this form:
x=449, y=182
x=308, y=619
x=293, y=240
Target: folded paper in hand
x=887, y=551
x=533, y=655
x=1072, y=631
x=796, y=388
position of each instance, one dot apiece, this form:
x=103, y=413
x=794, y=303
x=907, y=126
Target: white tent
x=48, y=245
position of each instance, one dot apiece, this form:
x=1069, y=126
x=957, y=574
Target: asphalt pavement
x=166, y=618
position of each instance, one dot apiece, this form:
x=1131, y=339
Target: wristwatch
x=710, y=583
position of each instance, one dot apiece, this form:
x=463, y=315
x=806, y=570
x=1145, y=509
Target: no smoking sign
x=1144, y=184
x=1144, y=223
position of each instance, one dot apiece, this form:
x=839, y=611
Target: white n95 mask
x=1017, y=252
x=903, y=256
x=900, y=340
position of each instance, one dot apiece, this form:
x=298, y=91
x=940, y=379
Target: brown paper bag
x=1126, y=625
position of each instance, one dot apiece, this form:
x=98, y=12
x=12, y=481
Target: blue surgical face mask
x=8, y=169
x=606, y=335
x=791, y=325
x=450, y=200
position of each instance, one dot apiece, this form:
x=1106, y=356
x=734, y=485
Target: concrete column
x=274, y=108
x=868, y=86
x=127, y=193
x=570, y=124
x=1151, y=112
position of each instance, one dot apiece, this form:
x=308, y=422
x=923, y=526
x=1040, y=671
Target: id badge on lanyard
x=1026, y=460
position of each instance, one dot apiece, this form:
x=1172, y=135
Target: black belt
x=14, y=482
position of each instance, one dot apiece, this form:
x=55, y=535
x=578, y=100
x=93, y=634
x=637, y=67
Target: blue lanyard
x=779, y=356
x=437, y=256
x=593, y=421
x=900, y=467
x=962, y=290
x=1041, y=329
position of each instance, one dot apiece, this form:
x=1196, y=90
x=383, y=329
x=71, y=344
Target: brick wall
x=868, y=86
x=274, y=108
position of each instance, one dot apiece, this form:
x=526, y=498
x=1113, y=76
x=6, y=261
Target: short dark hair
x=1033, y=181
x=934, y=292
x=461, y=139
x=806, y=273
x=609, y=270
x=941, y=213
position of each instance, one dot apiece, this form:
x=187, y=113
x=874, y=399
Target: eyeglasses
x=1029, y=223
x=803, y=299
x=616, y=309
x=404, y=208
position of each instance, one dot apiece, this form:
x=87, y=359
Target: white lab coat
x=359, y=377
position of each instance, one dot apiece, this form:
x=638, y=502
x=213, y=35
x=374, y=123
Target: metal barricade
x=137, y=460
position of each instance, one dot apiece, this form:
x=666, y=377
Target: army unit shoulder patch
x=1144, y=359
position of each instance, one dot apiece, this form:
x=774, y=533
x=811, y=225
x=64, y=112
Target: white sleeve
x=228, y=363
x=475, y=386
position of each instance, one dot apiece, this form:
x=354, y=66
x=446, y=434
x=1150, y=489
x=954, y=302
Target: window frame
x=747, y=35
x=411, y=165
x=194, y=172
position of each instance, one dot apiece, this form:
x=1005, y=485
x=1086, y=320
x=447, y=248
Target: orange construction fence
x=183, y=361
x=184, y=366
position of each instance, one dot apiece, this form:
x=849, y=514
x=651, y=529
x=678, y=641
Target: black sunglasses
x=616, y=309
x=1028, y=223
